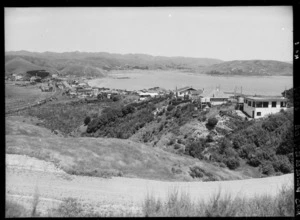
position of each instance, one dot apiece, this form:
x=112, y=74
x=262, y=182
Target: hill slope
x=20, y=65
x=250, y=67
x=106, y=156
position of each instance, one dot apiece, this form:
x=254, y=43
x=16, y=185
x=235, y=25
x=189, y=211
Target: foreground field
x=28, y=178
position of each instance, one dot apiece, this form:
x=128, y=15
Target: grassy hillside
x=19, y=65
x=254, y=148
x=250, y=67
x=105, y=156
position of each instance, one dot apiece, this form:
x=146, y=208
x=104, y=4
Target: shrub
x=254, y=161
x=161, y=127
x=209, y=138
x=177, y=146
x=170, y=108
x=282, y=164
x=87, y=120
x=196, y=148
x=196, y=172
x=212, y=122
x=246, y=151
x=225, y=144
x=222, y=165
x=232, y=163
x=116, y=98
x=267, y=168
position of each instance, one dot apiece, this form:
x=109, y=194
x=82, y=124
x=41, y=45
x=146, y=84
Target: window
x=253, y=104
x=249, y=103
x=282, y=104
x=258, y=113
x=273, y=104
x=265, y=104
x=246, y=101
x=259, y=104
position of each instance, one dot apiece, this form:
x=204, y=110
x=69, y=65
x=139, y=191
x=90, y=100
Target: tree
x=289, y=95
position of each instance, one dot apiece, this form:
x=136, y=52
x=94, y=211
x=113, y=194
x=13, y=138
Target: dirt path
x=24, y=175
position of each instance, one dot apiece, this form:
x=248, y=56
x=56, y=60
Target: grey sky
x=227, y=33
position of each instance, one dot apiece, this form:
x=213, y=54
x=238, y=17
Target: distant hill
x=250, y=67
x=19, y=65
x=99, y=64
x=96, y=64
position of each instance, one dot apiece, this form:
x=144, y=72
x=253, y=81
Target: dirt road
x=25, y=175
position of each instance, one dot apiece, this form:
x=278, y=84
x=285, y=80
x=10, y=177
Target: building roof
x=185, y=88
x=197, y=92
x=266, y=98
x=215, y=93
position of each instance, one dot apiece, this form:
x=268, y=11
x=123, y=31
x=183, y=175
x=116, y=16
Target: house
x=67, y=85
x=184, y=92
x=214, y=97
x=196, y=94
x=95, y=91
x=86, y=91
x=17, y=77
x=145, y=95
x=34, y=79
x=260, y=106
x=54, y=75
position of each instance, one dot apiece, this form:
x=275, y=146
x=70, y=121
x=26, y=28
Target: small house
x=184, y=92
x=196, y=94
x=214, y=97
x=86, y=91
x=260, y=106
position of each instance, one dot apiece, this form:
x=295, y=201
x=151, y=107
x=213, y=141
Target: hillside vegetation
x=256, y=148
x=105, y=157
x=250, y=67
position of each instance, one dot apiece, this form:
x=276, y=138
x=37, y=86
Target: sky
x=226, y=33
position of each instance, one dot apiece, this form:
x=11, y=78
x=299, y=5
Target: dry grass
x=176, y=205
x=104, y=157
x=221, y=206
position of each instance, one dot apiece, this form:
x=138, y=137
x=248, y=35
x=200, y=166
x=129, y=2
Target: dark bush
x=87, y=120
x=247, y=150
x=267, y=168
x=255, y=162
x=282, y=164
x=232, y=163
x=212, y=122
x=196, y=148
x=196, y=172
x=116, y=98
x=209, y=138
x=127, y=109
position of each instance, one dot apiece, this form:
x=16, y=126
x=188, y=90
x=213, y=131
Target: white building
x=145, y=95
x=214, y=97
x=186, y=91
x=257, y=107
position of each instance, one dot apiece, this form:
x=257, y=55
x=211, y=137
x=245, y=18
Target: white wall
x=264, y=111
